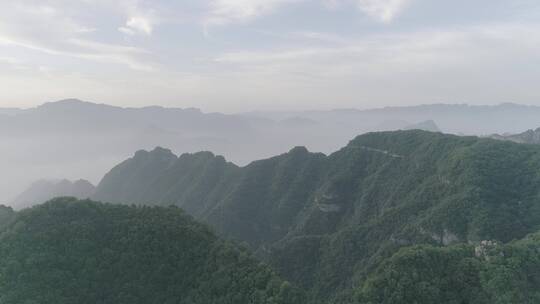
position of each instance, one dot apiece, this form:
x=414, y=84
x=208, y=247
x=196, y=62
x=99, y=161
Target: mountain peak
x=161, y=150
x=156, y=153
x=65, y=102
x=299, y=150
x=73, y=104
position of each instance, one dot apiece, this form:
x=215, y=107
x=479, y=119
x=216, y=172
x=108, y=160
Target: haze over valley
x=60, y=140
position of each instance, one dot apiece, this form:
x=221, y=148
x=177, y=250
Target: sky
x=244, y=55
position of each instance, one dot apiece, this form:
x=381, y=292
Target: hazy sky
x=235, y=55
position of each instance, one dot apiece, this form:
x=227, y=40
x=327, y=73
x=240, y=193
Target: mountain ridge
x=326, y=222
x=45, y=190
x=241, y=138
x=528, y=137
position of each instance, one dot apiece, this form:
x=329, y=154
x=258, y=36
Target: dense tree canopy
x=6, y=215
x=486, y=273
x=69, y=251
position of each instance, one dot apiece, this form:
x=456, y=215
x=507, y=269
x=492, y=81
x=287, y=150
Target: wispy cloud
x=104, y=52
x=385, y=54
x=382, y=10
x=136, y=25
x=51, y=30
x=421, y=66
x=139, y=20
x=314, y=50
x=223, y=12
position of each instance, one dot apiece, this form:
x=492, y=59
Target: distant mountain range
x=393, y=217
x=74, y=139
x=527, y=137
x=44, y=190
x=451, y=118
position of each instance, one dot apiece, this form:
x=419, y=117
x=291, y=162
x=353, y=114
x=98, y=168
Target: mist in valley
x=73, y=139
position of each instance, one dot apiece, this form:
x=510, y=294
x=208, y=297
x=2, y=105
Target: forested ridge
x=329, y=224
x=69, y=251
x=393, y=217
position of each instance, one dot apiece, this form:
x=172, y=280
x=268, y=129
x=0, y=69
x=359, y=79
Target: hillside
x=208, y=187
x=69, y=251
x=486, y=273
x=44, y=190
x=326, y=222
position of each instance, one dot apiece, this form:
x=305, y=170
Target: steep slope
x=69, y=251
x=194, y=182
x=326, y=222
x=44, y=190
x=269, y=197
x=219, y=192
x=402, y=188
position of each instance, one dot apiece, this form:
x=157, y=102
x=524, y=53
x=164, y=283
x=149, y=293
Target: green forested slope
x=69, y=251
x=6, y=215
x=488, y=272
x=328, y=222
x=193, y=181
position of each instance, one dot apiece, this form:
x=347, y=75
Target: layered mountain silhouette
x=62, y=138
x=69, y=251
x=335, y=224
x=44, y=190
x=527, y=137
x=451, y=118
